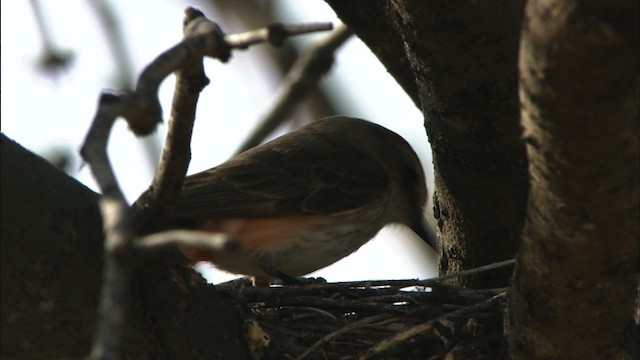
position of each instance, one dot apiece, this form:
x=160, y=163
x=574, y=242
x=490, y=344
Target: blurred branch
x=114, y=295
x=117, y=43
x=141, y=108
x=52, y=58
x=94, y=149
x=142, y=111
x=113, y=32
x=191, y=79
x=255, y=13
x=304, y=76
x=190, y=238
x=60, y=157
x=374, y=23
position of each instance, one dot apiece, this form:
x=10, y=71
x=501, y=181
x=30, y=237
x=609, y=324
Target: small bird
x=306, y=199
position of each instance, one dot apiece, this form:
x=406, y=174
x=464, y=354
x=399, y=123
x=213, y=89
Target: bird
x=306, y=199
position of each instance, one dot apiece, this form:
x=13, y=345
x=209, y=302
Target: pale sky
x=43, y=112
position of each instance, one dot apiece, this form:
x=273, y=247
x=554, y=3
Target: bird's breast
x=295, y=245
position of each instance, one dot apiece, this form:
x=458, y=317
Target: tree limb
x=303, y=77
x=465, y=65
x=576, y=277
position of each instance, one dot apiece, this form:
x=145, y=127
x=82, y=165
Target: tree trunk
x=52, y=271
x=463, y=57
x=576, y=280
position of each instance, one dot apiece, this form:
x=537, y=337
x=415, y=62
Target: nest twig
x=394, y=319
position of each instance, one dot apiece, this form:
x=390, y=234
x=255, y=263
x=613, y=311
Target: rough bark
x=463, y=56
x=370, y=20
x=576, y=283
x=51, y=262
x=51, y=266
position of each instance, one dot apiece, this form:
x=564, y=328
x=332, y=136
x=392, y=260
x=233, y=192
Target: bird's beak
x=421, y=227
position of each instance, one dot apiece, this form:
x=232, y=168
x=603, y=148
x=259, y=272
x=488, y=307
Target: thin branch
x=477, y=270
x=187, y=238
x=114, y=35
x=190, y=80
x=436, y=282
x=252, y=14
x=52, y=58
x=121, y=56
x=94, y=149
x=354, y=325
x=428, y=327
x=114, y=296
x=202, y=38
x=274, y=34
x=304, y=76
x=329, y=330
x=142, y=111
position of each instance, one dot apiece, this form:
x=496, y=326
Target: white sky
x=43, y=113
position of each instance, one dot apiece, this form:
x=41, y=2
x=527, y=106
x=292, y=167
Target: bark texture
x=51, y=262
x=576, y=283
x=464, y=60
x=50, y=259
x=576, y=280
x=370, y=20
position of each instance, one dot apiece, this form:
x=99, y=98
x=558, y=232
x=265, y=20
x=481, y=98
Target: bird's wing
x=277, y=180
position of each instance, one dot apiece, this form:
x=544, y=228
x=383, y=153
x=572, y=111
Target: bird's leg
x=259, y=281
x=286, y=278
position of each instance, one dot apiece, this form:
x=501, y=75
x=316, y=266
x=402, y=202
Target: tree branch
x=114, y=297
x=254, y=13
x=576, y=276
x=274, y=34
x=375, y=26
x=142, y=111
x=429, y=327
x=303, y=77
x=52, y=59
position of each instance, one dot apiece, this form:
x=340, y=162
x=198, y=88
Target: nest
x=393, y=319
